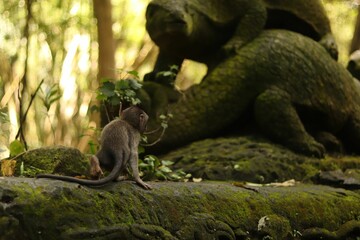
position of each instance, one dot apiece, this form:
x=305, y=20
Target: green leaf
x=130, y=93
x=101, y=97
x=4, y=117
x=152, y=158
x=174, y=68
x=135, y=101
x=166, y=74
x=144, y=165
x=134, y=73
x=107, y=89
x=167, y=163
x=122, y=85
x=141, y=149
x=188, y=175
x=144, y=139
x=160, y=175
x=92, y=146
x=136, y=85
x=16, y=147
x=175, y=176
x=165, y=169
x=104, y=80
x=94, y=108
x=115, y=100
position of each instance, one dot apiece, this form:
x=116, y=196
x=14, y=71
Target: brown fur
x=119, y=148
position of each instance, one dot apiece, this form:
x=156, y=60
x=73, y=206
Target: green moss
x=57, y=160
x=274, y=226
x=252, y=159
x=170, y=209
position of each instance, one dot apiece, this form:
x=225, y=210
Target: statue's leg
x=277, y=117
x=351, y=133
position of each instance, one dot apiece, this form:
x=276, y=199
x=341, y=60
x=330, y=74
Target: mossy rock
x=255, y=159
x=57, y=160
x=47, y=209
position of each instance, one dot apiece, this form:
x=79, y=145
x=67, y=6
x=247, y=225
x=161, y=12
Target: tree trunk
x=106, y=61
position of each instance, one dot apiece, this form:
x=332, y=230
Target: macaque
x=119, y=147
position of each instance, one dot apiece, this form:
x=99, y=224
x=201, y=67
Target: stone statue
x=286, y=82
x=208, y=33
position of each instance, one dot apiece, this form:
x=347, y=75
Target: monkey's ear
x=142, y=122
x=120, y=109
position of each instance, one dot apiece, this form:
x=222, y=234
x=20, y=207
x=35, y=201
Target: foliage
x=63, y=51
x=119, y=91
x=51, y=95
x=16, y=147
x=152, y=168
x=4, y=128
x=123, y=91
x=168, y=76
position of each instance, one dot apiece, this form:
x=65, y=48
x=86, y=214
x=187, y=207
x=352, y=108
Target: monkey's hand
x=95, y=170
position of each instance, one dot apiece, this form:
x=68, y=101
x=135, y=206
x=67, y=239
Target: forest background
x=54, y=53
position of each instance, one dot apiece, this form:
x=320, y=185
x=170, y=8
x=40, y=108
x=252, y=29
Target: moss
x=254, y=159
x=271, y=81
x=170, y=209
x=274, y=226
x=304, y=211
x=57, y=160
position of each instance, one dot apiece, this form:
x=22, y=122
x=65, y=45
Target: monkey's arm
x=135, y=169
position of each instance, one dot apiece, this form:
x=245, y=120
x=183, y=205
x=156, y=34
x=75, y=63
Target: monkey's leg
x=123, y=175
x=135, y=169
x=277, y=117
x=95, y=169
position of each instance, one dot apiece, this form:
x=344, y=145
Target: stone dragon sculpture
x=288, y=84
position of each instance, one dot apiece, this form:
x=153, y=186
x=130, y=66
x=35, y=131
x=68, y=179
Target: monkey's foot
x=143, y=184
x=95, y=169
x=122, y=178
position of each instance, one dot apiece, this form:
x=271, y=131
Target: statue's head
x=187, y=28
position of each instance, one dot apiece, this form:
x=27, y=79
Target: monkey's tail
x=109, y=178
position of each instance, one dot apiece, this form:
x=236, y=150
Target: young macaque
x=119, y=147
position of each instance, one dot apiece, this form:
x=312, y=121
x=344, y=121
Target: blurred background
x=50, y=61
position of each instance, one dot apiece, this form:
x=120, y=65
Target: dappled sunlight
x=63, y=51
x=342, y=16
x=78, y=45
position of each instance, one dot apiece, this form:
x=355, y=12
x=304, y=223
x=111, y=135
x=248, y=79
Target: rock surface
x=46, y=209
x=255, y=159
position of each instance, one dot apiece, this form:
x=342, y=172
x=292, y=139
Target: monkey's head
x=136, y=117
